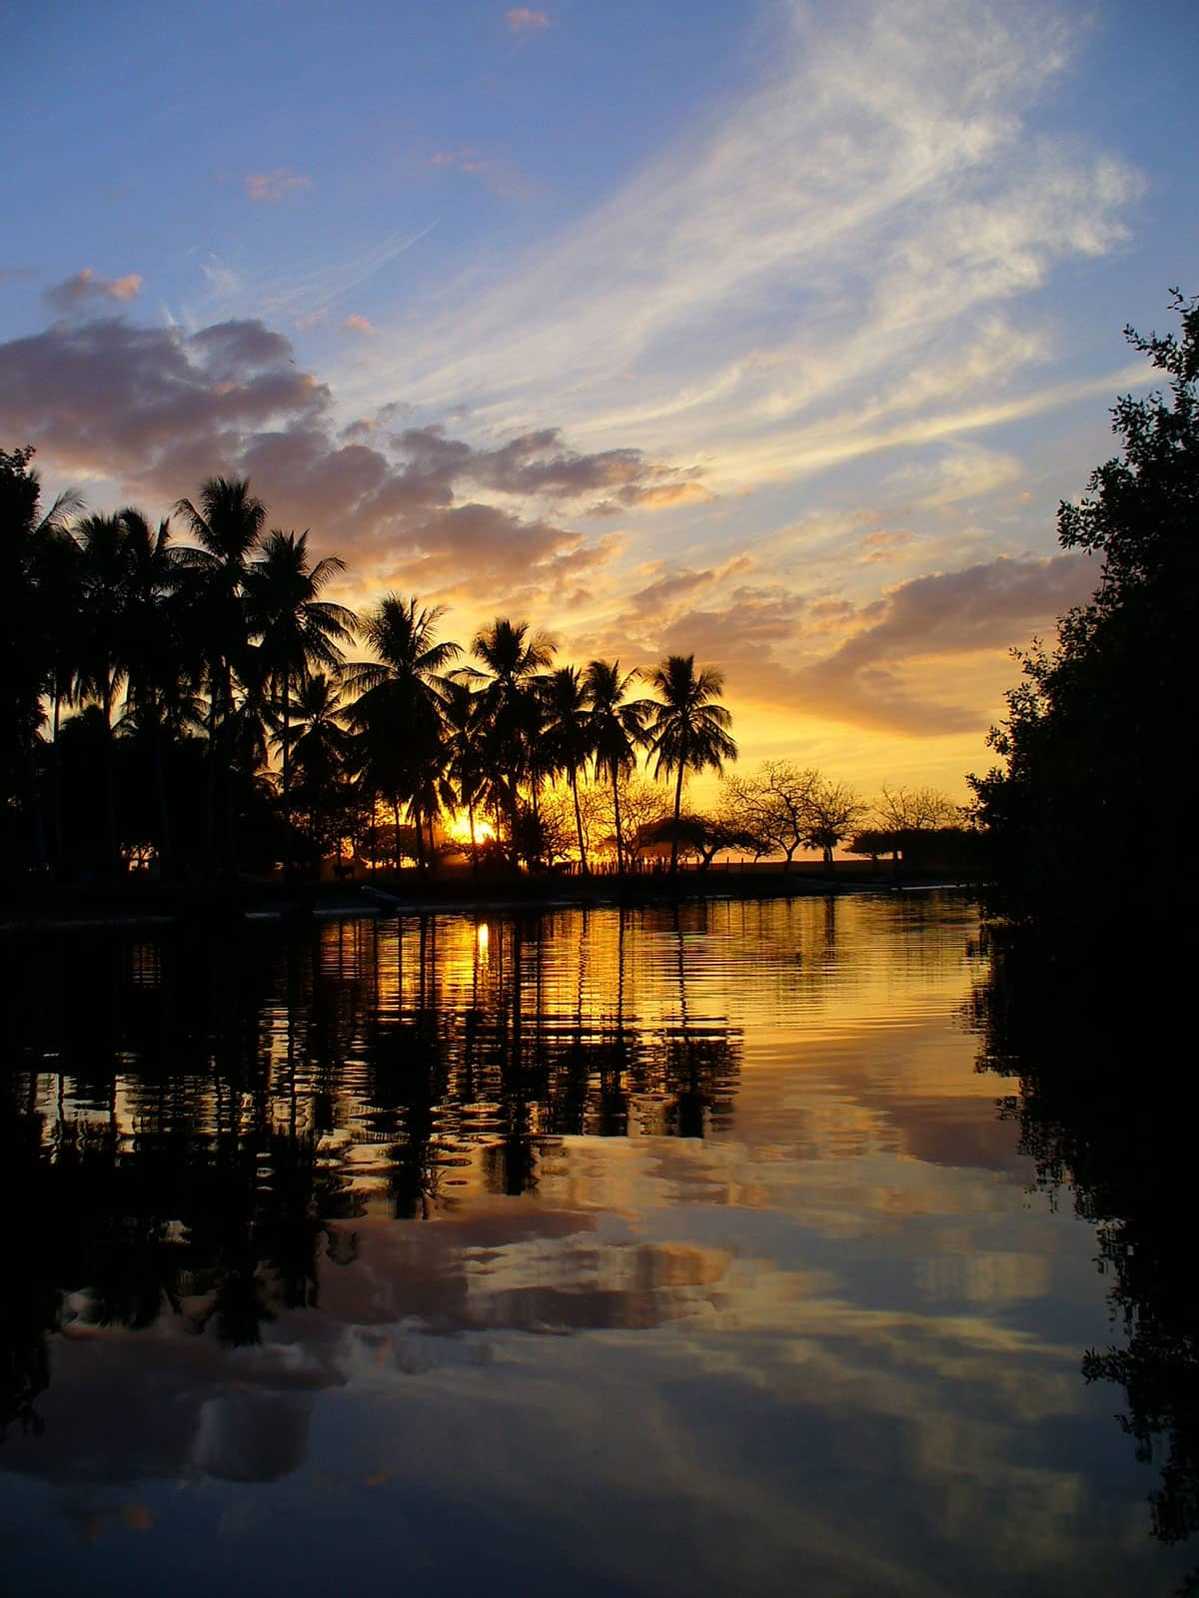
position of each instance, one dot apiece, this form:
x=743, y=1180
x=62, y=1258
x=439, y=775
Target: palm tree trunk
x=395, y=822
x=287, y=770
x=616, y=813
x=574, y=788
x=678, y=810
x=164, y=809
x=110, y=780
x=474, y=847
x=512, y=826
x=210, y=798
x=37, y=831
x=56, y=790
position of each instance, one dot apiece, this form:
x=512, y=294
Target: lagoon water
x=646, y=1252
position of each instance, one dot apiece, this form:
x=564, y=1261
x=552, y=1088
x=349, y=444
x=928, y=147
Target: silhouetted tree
x=617, y=732
x=1090, y=814
x=513, y=659
x=688, y=728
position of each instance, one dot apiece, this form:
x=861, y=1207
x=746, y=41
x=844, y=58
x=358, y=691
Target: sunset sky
x=772, y=332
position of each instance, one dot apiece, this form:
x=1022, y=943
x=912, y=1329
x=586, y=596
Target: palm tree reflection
x=197, y=1132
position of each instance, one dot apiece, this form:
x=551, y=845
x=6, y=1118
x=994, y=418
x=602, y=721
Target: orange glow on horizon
x=459, y=829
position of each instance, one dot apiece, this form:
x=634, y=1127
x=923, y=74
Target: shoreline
x=154, y=906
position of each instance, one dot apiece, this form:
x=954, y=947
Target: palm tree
x=688, y=730
x=296, y=629
x=103, y=660
x=31, y=627
x=513, y=659
x=321, y=744
x=227, y=524
x=161, y=703
x=617, y=730
x=567, y=732
x=57, y=615
x=398, y=712
x=461, y=711
x=153, y=569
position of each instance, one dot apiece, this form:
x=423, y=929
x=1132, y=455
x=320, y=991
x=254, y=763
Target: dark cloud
x=159, y=410
x=928, y=623
x=539, y=465
x=952, y=613
x=123, y=400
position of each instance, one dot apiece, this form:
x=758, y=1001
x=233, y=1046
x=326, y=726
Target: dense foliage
x=1091, y=813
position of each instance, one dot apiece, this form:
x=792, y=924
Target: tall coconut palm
x=54, y=614
x=462, y=718
x=688, y=728
x=103, y=660
x=295, y=628
x=398, y=711
x=161, y=686
x=567, y=733
x=617, y=730
x=227, y=523
x=105, y=572
x=32, y=625
x=512, y=658
x=153, y=570
x=321, y=744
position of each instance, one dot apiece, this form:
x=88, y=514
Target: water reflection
x=415, y=1239
x=1108, y=1118
x=196, y=1126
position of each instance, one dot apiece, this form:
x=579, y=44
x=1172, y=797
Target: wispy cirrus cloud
x=268, y=188
x=825, y=270
x=85, y=288
x=305, y=298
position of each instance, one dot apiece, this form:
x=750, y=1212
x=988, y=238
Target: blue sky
x=770, y=331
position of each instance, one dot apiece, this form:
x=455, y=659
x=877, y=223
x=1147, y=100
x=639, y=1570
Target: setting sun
x=459, y=829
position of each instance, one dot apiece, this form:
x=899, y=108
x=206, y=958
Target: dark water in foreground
x=642, y=1253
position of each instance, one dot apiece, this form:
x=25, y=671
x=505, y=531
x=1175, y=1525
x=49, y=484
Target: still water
x=645, y=1252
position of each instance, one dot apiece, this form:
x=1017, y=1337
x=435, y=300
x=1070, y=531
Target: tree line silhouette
x=200, y=703
x=189, y=665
